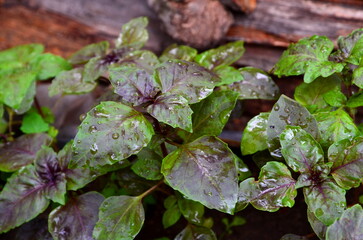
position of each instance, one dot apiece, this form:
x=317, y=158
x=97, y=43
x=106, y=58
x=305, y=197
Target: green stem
x=150, y=190
x=38, y=107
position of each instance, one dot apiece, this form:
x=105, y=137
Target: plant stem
x=162, y=145
x=147, y=192
x=38, y=107
x=11, y=116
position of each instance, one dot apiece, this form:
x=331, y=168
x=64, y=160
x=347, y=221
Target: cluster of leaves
x=160, y=125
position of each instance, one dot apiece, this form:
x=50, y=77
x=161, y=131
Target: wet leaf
x=326, y=200
x=312, y=94
x=318, y=227
x=49, y=65
x=110, y=133
x=173, y=110
x=309, y=56
x=142, y=59
x=205, y=171
x=94, y=69
x=148, y=165
x=192, y=211
x=27, y=101
x=223, y=55
x=346, y=44
x=134, y=85
x=275, y=188
x=211, y=115
x=33, y=123
x=358, y=77
x=347, y=159
x=21, y=53
x=335, y=98
x=256, y=84
x=254, y=137
x=181, y=52
x=120, y=217
x=172, y=213
x=192, y=232
x=348, y=226
x=76, y=220
x=22, y=151
x=288, y=112
x=355, y=101
x=187, y=79
x=300, y=150
x=356, y=53
x=133, y=33
x=70, y=82
x=90, y=51
x=335, y=126
x=228, y=75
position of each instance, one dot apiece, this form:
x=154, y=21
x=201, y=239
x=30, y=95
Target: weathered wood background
x=67, y=25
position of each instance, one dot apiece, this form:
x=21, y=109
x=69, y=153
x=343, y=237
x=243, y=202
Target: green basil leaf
x=33, y=123
x=223, y=55
x=301, y=151
x=49, y=65
x=321, y=69
x=318, y=227
x=22, y=151
x=192, y=232
x=308, y=94
x=133, y=34
x=70, y=82
x=347, y=159
x=120, y=217
x=191, y=210
x=23, y=53
x=187, y=79
x=110, y=133
x=288, y=112
x=358, y=77
x=335, y=126
x=335, y=98
x=256, y=84
x=228, y=75
x=148, y=165
x=211, y=114
x=181, y=52
x=326, y=200
x=75, y=220
x=348, y=226
x=275, y=188
x=254, y=136
x=90, y=51
x=93, y=69
x=171, y=216
x=347, y=44
x=205, y=171
x=173, y=110
x=356, y=100
x=356, y=53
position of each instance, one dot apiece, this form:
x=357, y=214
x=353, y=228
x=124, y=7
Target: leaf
x=191, y=210
x=204, y=171
x=187, y=79
x=326, y=200
x=275, y=188
x=335, y=98
x=223, y=55
x=300, y=150
x=76, y=220
x=21, y=53
x=133, y=33
x=288, y=112
x=1, y=110
x=133, y=84
x=90, y=51
x=49, y=65
x=318, y=227
x=347, y=158
x=148, y=165
x=335, y=126
x=192, y=232
x=346, y=44
x=181, y=52
x=70, y=82
x=173, y=110
x=110, y=133
x=93, y=69
x=256, y=84
x=254, y=136
x=348, y=226
x=356, y=53
x=27, y=101
x=293, y=237
x=355, y=101
x=312, y=94
x=33, y=123
x=172, y=213
x=358, y=77
x=22, y=151
x=321, y=69
x=211, y=115
x=228, y=75
x=120, y=217
x=142, y=59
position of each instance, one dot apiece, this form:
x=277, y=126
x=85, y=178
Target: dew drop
x=94, y=148
x=115, y=135
x=78, y=141
x=197, y=74
x=276, y=107
x=82, y=117
x=92, y=129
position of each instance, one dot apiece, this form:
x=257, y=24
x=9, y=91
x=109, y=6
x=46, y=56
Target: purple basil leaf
x=192, y=232
x=22, y=151
x=318, y=227
x=110, y=133
x=326, y=200
x=347, y=159
x=95, y=68
x=187, y=79
x=348, y=226
x=133, y=33
x=275, y=188
x=288, y=112
x=181, y=52
x=76, y=220
x=90, y=51
x=173, y=110
x=204, y=170
x=134, y=85
x=142, y=59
